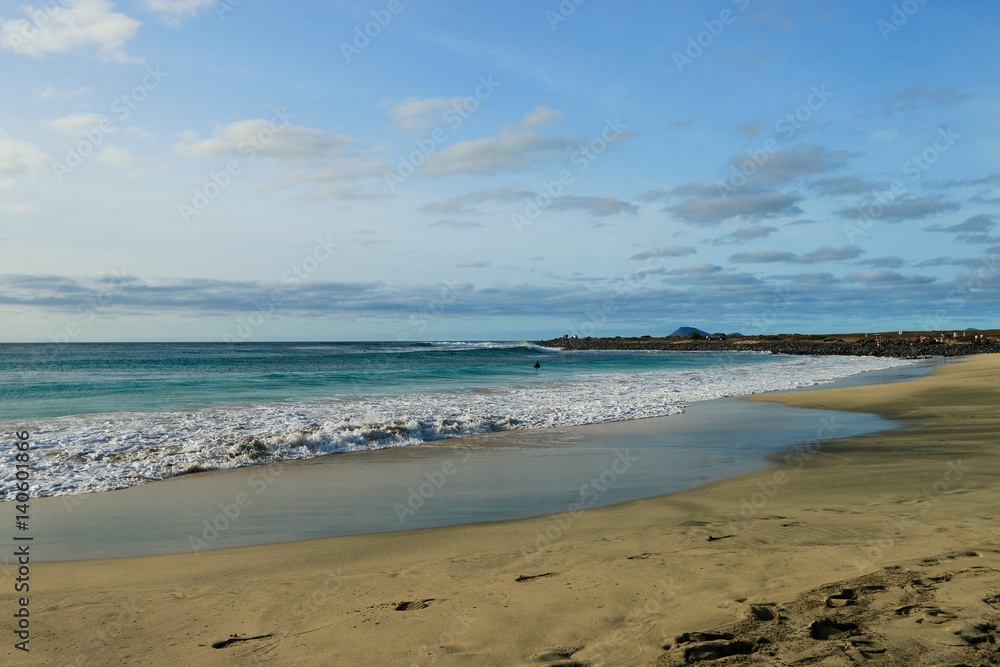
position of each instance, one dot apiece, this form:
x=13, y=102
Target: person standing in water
x=537, y=365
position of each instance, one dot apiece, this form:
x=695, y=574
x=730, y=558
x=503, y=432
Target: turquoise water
x=38, y=381
x=109, y=416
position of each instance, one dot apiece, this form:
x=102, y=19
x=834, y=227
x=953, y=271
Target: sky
x=239, y=170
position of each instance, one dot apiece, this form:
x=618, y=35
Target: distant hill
x=684, y=332
x=736, y=335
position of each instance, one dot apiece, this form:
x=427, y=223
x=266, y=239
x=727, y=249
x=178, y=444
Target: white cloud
x=72, y=26
x=904, y=208
x=824, y=254
x=493, y=155
x=324, y=186
x=763, y=257
x=518, y=147
x=884, y=277
x=316, y=160
x=50, y=93
x=74, y=123
x=977, y=223
x=284, y=143
x=746, y=234
x=139, y=133
x=703, y=291
x=19, y=158
x=115, y=157
x=715, y=208
x=460, y=205
x=703, y=269
x=671, y=251
x=889, y=262
x=598, y=206
x=173, y=12
x=418, y=116
x=830, y=254
x=542, y=116
x=787, y=166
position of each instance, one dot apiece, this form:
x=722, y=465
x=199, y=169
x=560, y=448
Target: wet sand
x=882, y=550
x=500, y=476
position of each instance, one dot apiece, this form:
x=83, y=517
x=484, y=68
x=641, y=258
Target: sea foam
x=115, y=450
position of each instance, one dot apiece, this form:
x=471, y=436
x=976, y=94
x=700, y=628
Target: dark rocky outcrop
x=685, y=332
x=888, y=347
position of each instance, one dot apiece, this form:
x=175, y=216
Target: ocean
x=110, y=416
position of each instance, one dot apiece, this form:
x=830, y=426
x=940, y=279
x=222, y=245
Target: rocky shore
x=905, y=348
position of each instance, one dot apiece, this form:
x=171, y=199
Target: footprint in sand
x=706, y=646
x=868, y=648
x=843, y=598
x=236, y=639
x=764, y=612
x=936, y=616
x=718, y=650
x=558, y=655
x=827, y=628
x=410, y=605
x=980, y=634
x=689, y=637
x=873, y=588
x=928, y=613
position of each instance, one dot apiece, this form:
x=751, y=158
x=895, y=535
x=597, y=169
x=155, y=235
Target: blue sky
x=225, y=170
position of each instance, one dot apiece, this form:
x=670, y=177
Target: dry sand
x=880, y=550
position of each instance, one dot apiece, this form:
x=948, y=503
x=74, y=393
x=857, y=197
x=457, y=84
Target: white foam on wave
x=113, y=451
x=474, y=345
x=542, y=348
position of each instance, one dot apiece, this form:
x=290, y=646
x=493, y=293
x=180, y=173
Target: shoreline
x=450, y=482
x=880, y=548
x=462, y=394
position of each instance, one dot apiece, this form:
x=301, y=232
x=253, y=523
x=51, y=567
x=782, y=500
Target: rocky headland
x=908, y=346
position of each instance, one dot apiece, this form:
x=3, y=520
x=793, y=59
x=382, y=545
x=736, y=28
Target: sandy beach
x=878, y=550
